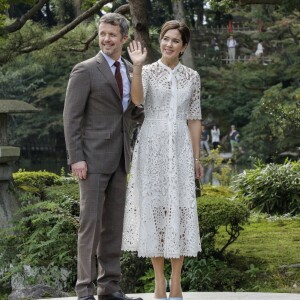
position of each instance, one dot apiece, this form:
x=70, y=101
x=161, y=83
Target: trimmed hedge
x=35, y=179
x=216, y=209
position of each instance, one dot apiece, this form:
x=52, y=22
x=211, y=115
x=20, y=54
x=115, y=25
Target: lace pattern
x=161, y=213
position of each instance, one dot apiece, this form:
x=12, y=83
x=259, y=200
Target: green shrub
x=35, y=182
x=272, y=188
x=210, y=274
x=35, y=179
x=215, y=209
x=43, y=235
x=134, y=273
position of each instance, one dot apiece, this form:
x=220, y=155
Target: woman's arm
x=195, y=133
x=137, y=95
x=138, y=56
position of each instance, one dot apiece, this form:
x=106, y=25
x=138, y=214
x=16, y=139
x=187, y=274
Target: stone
x=9, y=153
x=36, y=292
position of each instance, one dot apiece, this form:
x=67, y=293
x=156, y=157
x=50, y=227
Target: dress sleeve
x=195, y=103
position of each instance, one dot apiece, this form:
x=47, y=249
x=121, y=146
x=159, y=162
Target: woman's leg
x=160, y=284
x=175, y=291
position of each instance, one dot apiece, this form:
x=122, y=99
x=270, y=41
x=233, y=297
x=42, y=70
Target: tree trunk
x=139, y=14
x=77, y=7
x=187, y=58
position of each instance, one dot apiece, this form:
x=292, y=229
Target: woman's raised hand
x=137, y=53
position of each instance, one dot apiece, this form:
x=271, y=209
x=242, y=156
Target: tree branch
x=20, y=22
x=67, y=28
x=123, y=9
x=86, y=44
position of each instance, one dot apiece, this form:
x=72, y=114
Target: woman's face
x=171, y=44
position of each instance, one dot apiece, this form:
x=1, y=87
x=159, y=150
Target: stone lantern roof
x=9, y=153
x=16, y=106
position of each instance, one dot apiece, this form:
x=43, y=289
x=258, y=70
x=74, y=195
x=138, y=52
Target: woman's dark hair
x=180, y=26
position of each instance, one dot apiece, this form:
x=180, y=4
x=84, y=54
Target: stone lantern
x=8, y=154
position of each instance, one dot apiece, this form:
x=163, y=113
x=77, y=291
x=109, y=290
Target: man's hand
x=79, y=170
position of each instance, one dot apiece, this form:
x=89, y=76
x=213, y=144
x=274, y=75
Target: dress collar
x=168, y=68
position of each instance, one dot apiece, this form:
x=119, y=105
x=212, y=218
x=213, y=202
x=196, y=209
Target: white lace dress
x=161, y=212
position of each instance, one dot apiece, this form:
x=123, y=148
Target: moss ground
x=264, y=247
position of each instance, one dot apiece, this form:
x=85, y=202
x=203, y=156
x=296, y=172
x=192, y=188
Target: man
x=231, y=44
x=204, y=140
x=234, y=139
x=97, y=116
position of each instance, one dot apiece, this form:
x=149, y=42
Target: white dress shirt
x=125, y=80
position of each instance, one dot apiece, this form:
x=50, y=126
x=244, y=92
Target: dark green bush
x=43, y=235
x=272, y=188
x=215, y=209
x=210, y=274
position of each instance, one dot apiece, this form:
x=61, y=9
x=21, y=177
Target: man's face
x=111, y=40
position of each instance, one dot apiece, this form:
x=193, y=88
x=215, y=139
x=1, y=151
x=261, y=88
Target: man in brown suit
x=97, y=116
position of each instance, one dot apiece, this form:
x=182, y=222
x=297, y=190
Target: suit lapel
x=104, y=68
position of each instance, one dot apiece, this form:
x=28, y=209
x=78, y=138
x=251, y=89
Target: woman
x=259, y=50
x=161, y=213
x=215, y=136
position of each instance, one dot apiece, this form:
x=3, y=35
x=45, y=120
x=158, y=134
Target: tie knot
x=117, y=64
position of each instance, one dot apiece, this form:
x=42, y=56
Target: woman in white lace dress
x=161, y=213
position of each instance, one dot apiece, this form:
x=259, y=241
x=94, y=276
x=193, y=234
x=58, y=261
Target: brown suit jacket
x=96, y=128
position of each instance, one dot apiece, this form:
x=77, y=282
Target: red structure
x=230, y=28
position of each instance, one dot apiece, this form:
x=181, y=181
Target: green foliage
x=210, y=274
x=34, y=181
x=272, y=188
x=274, y=124
x=137, y=273
x=265, y=253
x=216, y=210
x=223, y=172
x=43, y=235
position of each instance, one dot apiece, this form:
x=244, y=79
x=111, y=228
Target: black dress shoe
x=116, y=296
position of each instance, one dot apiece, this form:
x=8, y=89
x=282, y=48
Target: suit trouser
x=102, y=202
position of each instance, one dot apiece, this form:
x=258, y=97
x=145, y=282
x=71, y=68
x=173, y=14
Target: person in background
x=215, y=136
x=161, y=220
x=231, y=45
x=204, y=140
x=234, y=139
x=97, y=117
x=260, y=49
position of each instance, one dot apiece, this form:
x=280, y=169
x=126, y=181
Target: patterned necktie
x=118, y=77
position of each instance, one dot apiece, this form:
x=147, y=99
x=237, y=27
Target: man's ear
x=125, y=38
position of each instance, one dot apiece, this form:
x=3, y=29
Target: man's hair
x=116, y=20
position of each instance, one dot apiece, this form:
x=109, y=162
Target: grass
x=264, y=247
